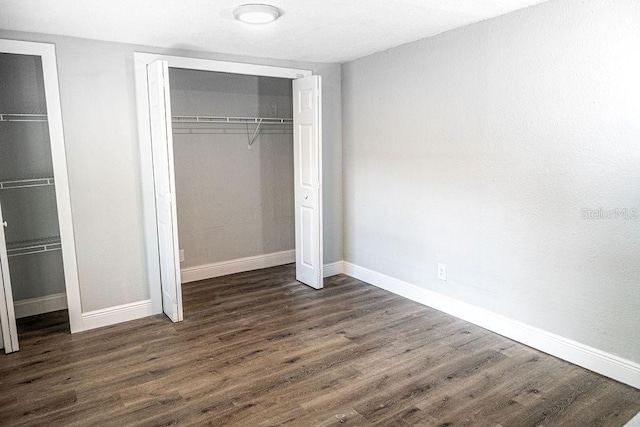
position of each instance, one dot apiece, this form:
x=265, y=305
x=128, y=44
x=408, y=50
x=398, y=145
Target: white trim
x=148, y=194
x=333, y=269
x=208, y=271
x=222, y=66
x=7, y=313
x=63, y=199
x=41, y=305
x=240, y=265
x=118, y=314
x=607, y=364
x=141, y=60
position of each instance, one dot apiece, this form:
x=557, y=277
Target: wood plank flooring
x=260, y=349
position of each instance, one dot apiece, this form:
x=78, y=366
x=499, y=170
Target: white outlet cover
x=442, y=271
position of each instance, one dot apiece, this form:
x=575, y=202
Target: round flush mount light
x=256, y=13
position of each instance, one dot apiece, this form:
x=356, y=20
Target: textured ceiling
x=309, y=30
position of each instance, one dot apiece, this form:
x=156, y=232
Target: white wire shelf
x=233, y=120
x=7, y=117
x=35, y=246
x=26, y=182
x=258, y=121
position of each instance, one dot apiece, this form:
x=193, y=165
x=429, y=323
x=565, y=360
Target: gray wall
x=99, y=118
x=480, y=148
x=233, y=201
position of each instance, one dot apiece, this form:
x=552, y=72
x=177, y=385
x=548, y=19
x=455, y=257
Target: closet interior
x=27, y=189
x=233, y=156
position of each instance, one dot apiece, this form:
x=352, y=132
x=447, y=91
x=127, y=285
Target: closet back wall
x=233, y=202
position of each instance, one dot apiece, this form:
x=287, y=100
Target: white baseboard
x=209, y=271
x=40, y=305
x=118, y=314
x=239, y=265
x=606, y=364
x=634, y=422
x=333, y=269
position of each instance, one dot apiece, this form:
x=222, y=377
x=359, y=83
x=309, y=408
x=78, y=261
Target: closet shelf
x=6, y=117
x=232, y=120
x=35, y=246
x=26, y=182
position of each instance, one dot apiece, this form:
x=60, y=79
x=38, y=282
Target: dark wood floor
x=260, y=349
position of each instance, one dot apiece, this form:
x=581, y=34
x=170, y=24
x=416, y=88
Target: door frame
x=141, y=60
x=47, y=52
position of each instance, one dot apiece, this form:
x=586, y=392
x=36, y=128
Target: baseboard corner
x=333, y=269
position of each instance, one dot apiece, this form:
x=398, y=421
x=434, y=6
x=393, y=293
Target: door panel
x=307, y=152
x=164, y=182
x=7, y=313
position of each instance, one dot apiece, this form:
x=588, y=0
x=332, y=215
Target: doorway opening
x=233, y=158
x=156, y=121
x=38, y=270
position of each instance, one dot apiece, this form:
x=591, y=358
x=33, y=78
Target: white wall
x=99, y=118
x=479, y=148
x=233, y=201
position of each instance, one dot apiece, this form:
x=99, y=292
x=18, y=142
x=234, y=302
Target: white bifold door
x=7, y=314
x=164, y=183
x=307, y=160
x=307, y=122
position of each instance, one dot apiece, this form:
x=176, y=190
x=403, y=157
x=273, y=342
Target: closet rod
x=7, y=117
x=232, y=120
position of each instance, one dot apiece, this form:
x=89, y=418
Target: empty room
x=317, y=213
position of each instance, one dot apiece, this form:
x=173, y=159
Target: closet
x=31, y=260
x=233, y=157
x=250, y=225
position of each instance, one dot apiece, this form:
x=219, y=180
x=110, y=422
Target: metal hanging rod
x=27, y=182
x=232, y=120
x=4, y=117
x=35, y=246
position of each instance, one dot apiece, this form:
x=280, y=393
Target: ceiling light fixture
x=256, y=13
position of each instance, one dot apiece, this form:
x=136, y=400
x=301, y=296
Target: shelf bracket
x=253, y=137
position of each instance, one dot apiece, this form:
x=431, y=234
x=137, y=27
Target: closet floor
x=260, y=349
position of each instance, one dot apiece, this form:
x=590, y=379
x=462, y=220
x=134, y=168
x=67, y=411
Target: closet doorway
x=157, y=162
x=38, y=270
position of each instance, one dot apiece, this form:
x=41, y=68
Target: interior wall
x=507, y=150
x=232, y=201
x=97, y=92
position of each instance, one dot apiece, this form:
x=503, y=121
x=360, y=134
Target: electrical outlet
x=273, y=110
x=181, y=255
x=442, y=271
